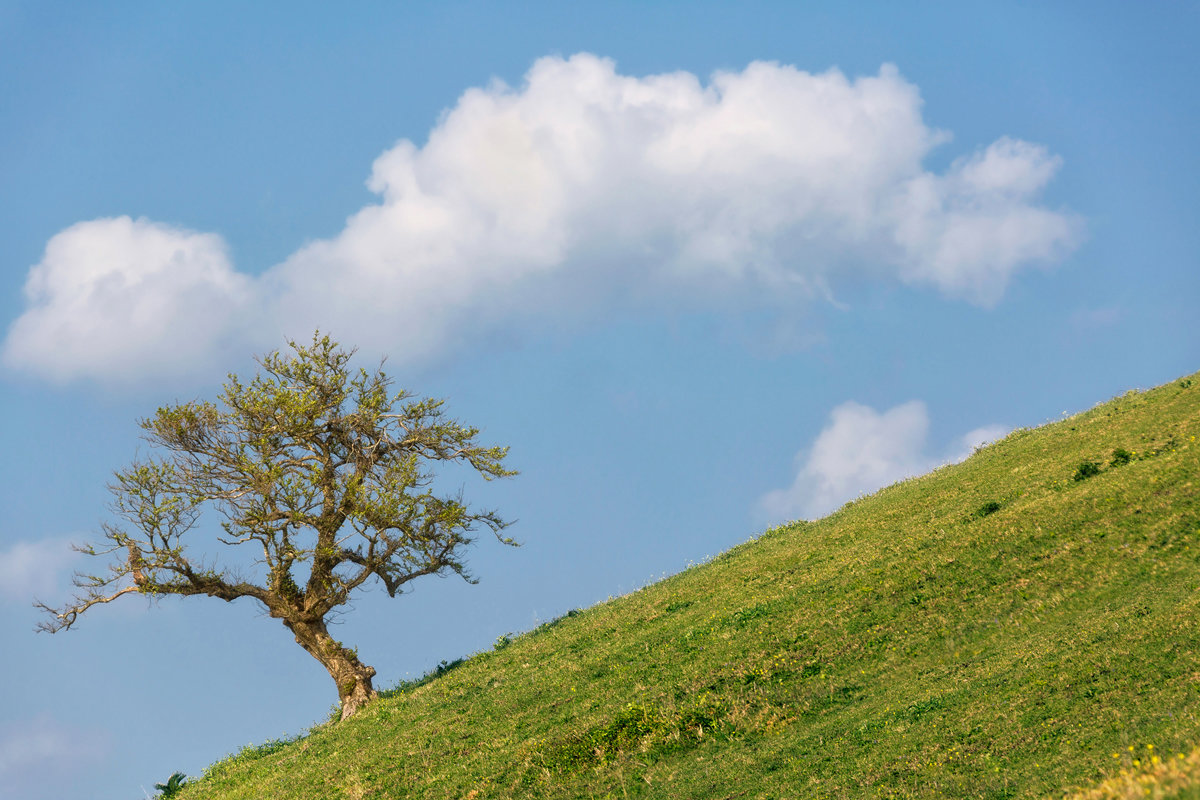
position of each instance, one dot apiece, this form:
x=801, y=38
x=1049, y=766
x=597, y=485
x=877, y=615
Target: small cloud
x=969, y=442
x=30, y=750
x=860, y=451
x=34, y=569
x=969, y=231
x=1091, y=319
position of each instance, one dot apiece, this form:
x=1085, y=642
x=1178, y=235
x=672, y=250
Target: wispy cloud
x=36, y=751
x=1087, y=320
x=580, y=190
x=861, y=450
x=34, y=569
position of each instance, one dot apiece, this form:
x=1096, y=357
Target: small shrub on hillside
x=624, y=732
x=1087, y=469
x=1121, y=456
x=990, y=507
x=445, y=666
x=441, y=669
x=172, y=787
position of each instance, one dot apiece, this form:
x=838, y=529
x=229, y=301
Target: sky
x=705, y=268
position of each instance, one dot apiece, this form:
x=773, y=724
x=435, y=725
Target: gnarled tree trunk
x=353, y=678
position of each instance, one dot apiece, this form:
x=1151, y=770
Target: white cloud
x=30, y=570
x=968, y=231
x=113, y=298
x=973, y=439
x=553, y=201
x=860, y=451
x=33, y=750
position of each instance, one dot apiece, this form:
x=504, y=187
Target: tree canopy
x=325, y=471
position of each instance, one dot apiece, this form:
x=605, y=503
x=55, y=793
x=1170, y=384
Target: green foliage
x=988, y=508
x=172, y=787
x=1086, y=469
x=445, y=666
x=903, y=647
x=636, y=729
x=625, y=731
x=314, y=464
x=1121, y=457
x=306, y=450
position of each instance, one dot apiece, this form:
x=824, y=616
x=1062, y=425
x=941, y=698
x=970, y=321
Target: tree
x=320, y=467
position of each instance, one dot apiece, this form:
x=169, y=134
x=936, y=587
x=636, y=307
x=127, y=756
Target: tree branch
x=64, y=619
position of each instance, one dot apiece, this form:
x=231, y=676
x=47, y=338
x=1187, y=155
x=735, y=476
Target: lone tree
x=325, y=469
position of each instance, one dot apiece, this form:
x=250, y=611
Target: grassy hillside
x=1023, y=624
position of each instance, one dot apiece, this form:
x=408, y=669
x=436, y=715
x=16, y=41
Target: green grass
x=1004, y=627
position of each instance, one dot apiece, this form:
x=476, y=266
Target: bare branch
x=64, y=619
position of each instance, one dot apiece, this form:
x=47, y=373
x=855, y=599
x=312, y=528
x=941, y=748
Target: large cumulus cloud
x=549, y=203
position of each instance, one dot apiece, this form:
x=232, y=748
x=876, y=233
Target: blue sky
x=703, y=267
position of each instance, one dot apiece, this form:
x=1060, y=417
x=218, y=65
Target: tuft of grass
x=908, y=645
x=636, y=729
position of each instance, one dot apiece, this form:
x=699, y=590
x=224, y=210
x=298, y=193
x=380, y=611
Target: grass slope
x=1012, y=626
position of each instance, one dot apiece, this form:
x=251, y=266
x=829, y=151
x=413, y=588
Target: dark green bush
x=990, y=507
x=1086, y=470
x=172, y=787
